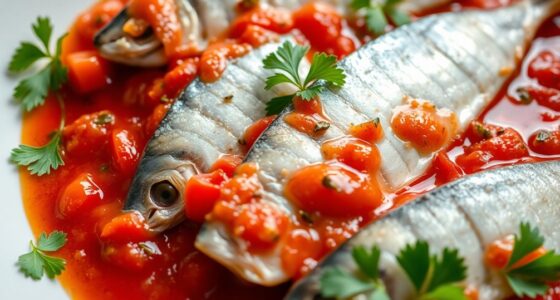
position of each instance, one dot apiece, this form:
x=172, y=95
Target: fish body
x=453, y=60
x=199, y=127
x=467, y=215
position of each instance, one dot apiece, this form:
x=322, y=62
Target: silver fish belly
x=468, y=215
x=453, y=60
x=199, y=127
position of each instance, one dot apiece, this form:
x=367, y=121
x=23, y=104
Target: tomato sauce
x=110, y=119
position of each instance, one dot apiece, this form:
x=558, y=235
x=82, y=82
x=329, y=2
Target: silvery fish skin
x=453, y=60
x=468, y=215
x=199, y=127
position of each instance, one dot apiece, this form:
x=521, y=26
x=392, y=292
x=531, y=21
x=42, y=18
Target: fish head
x=157, y=190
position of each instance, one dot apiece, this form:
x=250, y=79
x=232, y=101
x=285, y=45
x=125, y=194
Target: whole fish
x=453, y=59
x=468, y=215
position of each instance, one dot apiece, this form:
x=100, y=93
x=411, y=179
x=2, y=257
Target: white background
x=16, y=17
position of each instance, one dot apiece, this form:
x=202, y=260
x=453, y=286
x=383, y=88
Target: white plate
x=17, y=16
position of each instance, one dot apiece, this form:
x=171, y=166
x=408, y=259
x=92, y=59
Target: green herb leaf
x=39, y=160
x=358, y=4
x=446, y=292
x=43, y=30
x=36, y=263
x=31, y=92
x=451, y=268
x=287, y=59
x=415, y=261
x=367, y=261
x=398, y=17
x=335, y=283
x=276, y=105
x=528, y=288
x=375, y=20
x=379, y=294
x=529, y=240
x=26, y=54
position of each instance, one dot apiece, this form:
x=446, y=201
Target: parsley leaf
x=433, y=277
x=36, y=263
x=287, y=60
x=39, y=160
x=32, y=91
x=340, y=284
x=530, y=279
x=377, y=14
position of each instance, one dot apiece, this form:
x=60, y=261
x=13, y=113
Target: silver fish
x=199, y=127
x=452, y=59
x=468, y=215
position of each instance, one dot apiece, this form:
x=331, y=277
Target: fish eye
x=164, y=194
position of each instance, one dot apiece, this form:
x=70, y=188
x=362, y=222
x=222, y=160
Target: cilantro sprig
x=336, y=283
x=378, y=14
x=434, y=277
x=32, y=91
x=530, y=279
x=287, y=60
x=36, y=263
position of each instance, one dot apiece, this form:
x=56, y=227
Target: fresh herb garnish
x=36, y=263
x=376, y=14
x=433, y=277
x=32, y=91
x=530, y=279
x=341, y=285
x=287, y=59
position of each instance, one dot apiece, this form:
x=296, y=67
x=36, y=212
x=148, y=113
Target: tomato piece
x=138, y=87
x=202, y=191
x=125, y=151
x=255, y=130
x=79, y=196
x=313, y=125
x=260, y=224
x=227, y=163
x=256, y=36
x=301, y=245
x=308, y=107
x=322, y=26
x=423, y=125
x=129, y=256
x=127, y=227
x=199, y=274
x=545, y=142
x=370, y=131
x=446, y=170
x=95, y=18
x=273, y=19
x=546, y=97
x=87, y=71
x=89, y=134
x=213, y=61
x=353, y=152
x=333, y=189
x=163, y=19
x=152, y=123
x=179, y=77
x=545, y=68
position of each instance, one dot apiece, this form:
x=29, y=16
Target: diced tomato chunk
x=256, y=36
x=152, y=123
x=301, y=245
x=254, y=130
x=89, y=134
x=79, y=196
x=370, y=131
x=545, y=142
x=87, y=71
x=138, y=88
x=96, y=17
x=125, y=151
x=261, y=224
x=446, y=170
x=179, y=77
x=213, y=61
x=128, y=227
x=199, y=274
x=333, y=189
x=274, y=19
x=545, y=68
x=202, y=191
x=546, y=97
x=353, y=152
x=227, y=163
x=129, y=256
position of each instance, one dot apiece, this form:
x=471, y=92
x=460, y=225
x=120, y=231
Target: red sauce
x=110, y=120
